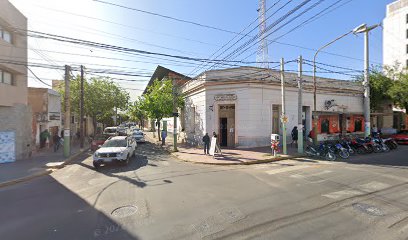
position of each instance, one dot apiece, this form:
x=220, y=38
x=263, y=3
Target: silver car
x=139, y=136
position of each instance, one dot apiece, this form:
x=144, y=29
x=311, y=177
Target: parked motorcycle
x=323, y=150
x=391, y=143
x=340, y=150
x=346, y=143
x=370, y=144
x=381, y=143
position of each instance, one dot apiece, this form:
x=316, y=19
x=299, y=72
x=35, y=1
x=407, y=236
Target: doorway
x=226, y=125
x=223, y=132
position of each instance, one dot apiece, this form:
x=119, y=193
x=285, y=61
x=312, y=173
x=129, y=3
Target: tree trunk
x=158, y=129
x=94, y=125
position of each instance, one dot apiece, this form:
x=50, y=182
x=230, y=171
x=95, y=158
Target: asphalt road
x=158, y=197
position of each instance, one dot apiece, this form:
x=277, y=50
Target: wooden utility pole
x=67, y=115
x=81, y=117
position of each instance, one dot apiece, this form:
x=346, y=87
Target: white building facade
x=243, y=110
x=395, y=34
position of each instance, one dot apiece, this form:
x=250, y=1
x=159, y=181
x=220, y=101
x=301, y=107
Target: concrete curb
x=26, y=178
x=239, y=163
x=69, y=159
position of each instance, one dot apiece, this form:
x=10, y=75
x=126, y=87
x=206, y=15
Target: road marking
x=286, y=169
x=342, y=194
x=373, y=186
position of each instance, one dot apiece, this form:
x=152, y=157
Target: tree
x=399, y=92
x=136, y=112
x=380, y=85
x=158, y=101
x=101, y=97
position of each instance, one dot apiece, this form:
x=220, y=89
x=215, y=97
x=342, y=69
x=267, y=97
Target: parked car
x=111, y=131
x=401, y=137
x=98, y=140
x=116, y=149
x=139, y=136
x=122, y=131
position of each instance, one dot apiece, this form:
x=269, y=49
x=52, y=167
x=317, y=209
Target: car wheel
x=96, y=165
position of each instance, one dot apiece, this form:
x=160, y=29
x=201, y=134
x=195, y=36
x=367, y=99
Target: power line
x=38, y=77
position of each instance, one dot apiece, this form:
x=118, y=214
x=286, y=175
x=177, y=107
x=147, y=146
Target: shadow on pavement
x=45, y=209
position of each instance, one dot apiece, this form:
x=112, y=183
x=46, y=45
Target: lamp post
x=366, y=83
x=315, y=120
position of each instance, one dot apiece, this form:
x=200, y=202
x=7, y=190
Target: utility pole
x=175, y=115
x=81, y=117
x=366, y=82
x=283, y=117
x=67, y=115
x=300, y=108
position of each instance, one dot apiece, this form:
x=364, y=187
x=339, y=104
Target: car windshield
x=110, y=130
x=115, y=143
x=101, y=137
x=137, y=133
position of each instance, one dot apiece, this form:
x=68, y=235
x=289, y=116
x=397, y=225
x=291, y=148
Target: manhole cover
x=368, y=209
x=124, y=211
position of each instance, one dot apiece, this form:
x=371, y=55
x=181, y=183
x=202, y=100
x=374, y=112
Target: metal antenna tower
x=262, y=53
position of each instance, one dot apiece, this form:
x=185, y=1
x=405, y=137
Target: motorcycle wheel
x=385, y=148
x=377, y=149
x=395, y=145
x=343, y=153
x=330, y=156
x=309, y=152
x=361, y=150
x=370, y=149
x=351, y=151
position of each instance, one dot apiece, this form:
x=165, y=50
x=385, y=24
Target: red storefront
x=331, y=125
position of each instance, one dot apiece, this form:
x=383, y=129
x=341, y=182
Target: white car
x=111, y=131
x=115, y=149
x=139, y=136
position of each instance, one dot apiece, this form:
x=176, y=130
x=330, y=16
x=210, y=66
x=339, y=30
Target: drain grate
x=368, y=209
x=124, y=211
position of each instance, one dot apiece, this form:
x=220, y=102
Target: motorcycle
x=370, y=144
x=360, y=148
x=380, y=142
x=323, y=150
x=340, y=150
x=391, y=143
x=346, y=143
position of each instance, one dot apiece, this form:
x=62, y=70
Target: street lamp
x=366, y=83
x=355, y=30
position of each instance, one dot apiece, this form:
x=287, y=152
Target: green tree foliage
x=399, y=92
x=136, y=112
x=380, y=84
x=158, y=101
x=101, y=97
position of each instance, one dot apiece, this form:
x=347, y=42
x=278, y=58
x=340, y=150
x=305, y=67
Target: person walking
x=206, y=140
x=163, y=136
x=43, y=138
x=294, y=136
x=56, y=141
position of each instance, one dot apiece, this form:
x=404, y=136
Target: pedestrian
x=163, y=136
x=311, y=135
x=374, y=131
x=43, y=138
x=206, y=140
x=217, y=146
x=294, y=136
x=62, y=133
x=56, y=141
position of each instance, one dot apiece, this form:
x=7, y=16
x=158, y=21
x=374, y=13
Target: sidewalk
x=235, y=156
x=39, y=164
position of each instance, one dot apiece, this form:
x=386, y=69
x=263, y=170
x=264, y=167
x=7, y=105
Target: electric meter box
x=275, y=137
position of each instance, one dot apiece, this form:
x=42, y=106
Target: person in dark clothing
x=294, y=136
x=43, y=138
x=206, y=140
x=56, y=141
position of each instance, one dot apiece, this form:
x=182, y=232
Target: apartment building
x=395, y=34
x=15, y=114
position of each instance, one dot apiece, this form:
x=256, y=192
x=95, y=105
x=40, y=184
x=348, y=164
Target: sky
x=104, y=23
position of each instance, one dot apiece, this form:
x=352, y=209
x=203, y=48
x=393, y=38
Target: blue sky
x=126, y=28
